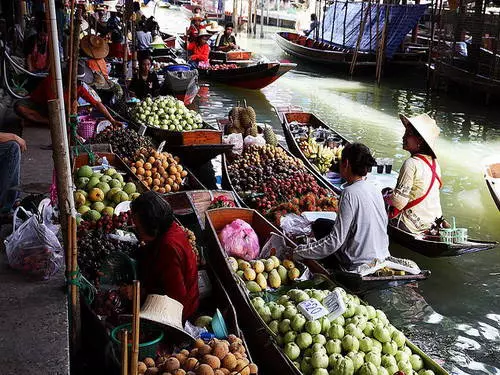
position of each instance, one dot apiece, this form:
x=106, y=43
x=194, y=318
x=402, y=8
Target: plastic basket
x=460, y=235
x=446, y=235
x=86, y=128
x=146, y=349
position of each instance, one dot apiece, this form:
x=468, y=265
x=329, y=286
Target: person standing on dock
x=359, y=234
x=226, y=41
x=313, y=26
x=415, y=204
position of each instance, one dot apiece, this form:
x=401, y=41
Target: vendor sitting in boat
x=167, y=265
x=415, y=203
x=359, y=234
x=145, y=82
x=225, y=40
x=199, y=51
x=195, y=28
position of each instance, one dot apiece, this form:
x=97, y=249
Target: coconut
x=141, y=367
x=190, y=364
x=199, y=343
x=211, y=360
x=171, y=364
x=149, y=362
x=253, y=368
x=229, y=361
x=220, y=350
x=205, y=349
x=204, y=369
x=181, y=358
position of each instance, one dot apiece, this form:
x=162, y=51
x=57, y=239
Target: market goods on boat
x=99, y=192
x=125, y=141
x=276, y=183
x=166, y=112
x=324, y=330
x=216, y=357
x=322, y=157
x=159, y=171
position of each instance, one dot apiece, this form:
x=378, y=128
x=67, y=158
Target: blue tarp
x=402, y=19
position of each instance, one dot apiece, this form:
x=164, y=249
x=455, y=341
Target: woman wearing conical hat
x=415, y=202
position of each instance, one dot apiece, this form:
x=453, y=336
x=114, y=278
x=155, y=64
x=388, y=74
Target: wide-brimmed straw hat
x=425, y=126
x=163, y=310
x=94, y=46
x=214, y=27
x=203, y=33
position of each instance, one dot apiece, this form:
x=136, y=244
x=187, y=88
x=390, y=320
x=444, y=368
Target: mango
x=288, y=264
x=253, y=287
x=274, y=279
x=249, y=274
x=293, y=273
x=269, y=265
x=261, y=280
x=282, y=271
x=258, y=266
x=275, y=260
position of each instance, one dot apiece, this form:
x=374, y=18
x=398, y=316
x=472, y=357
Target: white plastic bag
x=251, y=140
x=33, y=248
x=235, y=139
x=295, y=225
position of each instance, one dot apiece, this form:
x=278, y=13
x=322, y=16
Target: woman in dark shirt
x=146, y=82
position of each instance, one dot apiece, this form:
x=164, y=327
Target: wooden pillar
x=414, y=32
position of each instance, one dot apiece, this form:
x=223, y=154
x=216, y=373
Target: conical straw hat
x=425, y=126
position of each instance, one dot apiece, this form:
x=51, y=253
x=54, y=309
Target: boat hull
x=492, y=178
x=254, y=77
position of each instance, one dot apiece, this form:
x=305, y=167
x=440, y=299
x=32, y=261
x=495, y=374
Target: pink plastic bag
x=240, y=240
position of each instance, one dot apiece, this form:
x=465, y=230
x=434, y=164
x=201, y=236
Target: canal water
x=454, y=316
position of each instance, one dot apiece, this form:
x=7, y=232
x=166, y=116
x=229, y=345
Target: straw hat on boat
x=163, y=310
x=425, y=126
x=204, y=33
x=214, y=27
x=94, y=46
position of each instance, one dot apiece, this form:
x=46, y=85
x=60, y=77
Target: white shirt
x=413, y=182
x=359, y=234
x=144, y=40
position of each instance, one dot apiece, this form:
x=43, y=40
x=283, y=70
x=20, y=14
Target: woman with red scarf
x=37, y=50
x=167, y=264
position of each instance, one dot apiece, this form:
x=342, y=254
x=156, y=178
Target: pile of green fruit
x=99, y=193
x=361, y=341
x=263, y=273
x=168, y=113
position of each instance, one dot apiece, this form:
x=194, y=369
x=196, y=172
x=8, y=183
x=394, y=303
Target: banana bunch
x=338, y=153
x=324, y=159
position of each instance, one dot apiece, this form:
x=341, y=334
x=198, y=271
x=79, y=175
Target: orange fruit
x=149, y=181
x=151, y=160
x=140, y=171
x=156, y=182
x=148, y=174
x=172, y=169
x=155, y=188
x=147, y=166
x=168, y=188
x=139, y=163
x=178, y=180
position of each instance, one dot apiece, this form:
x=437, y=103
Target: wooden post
x=334, y=19
x=381, y=51
x=124, y=352
x=249, y=26
x=235, y=15
x=262, y=19
x=73, y=63
x=360, y=36
x=345, y=19
x=70, y=54
x=414, y=32
x=136, y=305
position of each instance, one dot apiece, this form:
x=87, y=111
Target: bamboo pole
x=124, y=352
x=73, y=63
x=381, y=51
x=431, y=44
x=70, y=53
x=262, y=19
x=135, y=327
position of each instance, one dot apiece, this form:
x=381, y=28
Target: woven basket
x=86, y=128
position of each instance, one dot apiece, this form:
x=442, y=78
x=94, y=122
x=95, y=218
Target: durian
x=270, y=137
x=253, y=131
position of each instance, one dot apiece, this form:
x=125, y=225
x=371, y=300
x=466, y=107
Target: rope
x=86, y=288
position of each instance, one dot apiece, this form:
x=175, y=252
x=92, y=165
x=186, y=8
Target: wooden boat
x=434, y=247
x=265, y=350
x=288, y=116
x=333, y=55
x=492, y=178
x=194, y=147
x=253, y=77
x=350, y=281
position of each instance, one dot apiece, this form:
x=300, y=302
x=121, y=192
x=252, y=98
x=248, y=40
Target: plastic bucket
x=146, y=349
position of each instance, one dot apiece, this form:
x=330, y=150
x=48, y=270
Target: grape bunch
x=107, y=223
